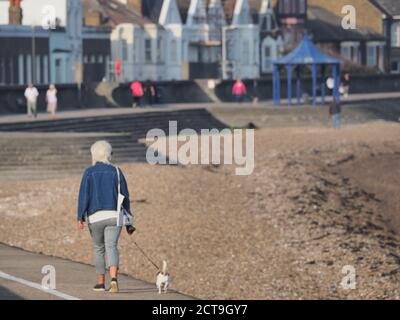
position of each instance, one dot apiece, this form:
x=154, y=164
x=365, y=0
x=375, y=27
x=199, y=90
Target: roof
x=306, y=53
x=326, y=27
x=114, y=12
x=151, y=9
x=229, y=8
x=228, y=5
x=388, y=7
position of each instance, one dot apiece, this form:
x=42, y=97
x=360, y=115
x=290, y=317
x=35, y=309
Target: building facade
x=73, y=41
x=390, y=13
x=45, y=42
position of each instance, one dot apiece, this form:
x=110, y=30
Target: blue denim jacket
x=99, y=190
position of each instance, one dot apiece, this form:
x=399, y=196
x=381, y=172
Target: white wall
x=3, y=11
x=133, y=38
x=241, y=54
x=33, y=11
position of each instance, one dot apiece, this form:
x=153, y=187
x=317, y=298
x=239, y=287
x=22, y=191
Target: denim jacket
x=99, y=190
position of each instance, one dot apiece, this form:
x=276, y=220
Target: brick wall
x=367, y=15
x=135, y=5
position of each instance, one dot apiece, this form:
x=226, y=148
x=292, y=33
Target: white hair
x=101, y=152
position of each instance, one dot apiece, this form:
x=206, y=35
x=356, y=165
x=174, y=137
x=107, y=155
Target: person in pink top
x=137, y=93
x=239, y=90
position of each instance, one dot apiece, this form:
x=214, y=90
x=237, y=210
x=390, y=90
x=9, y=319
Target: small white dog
x=163, y=279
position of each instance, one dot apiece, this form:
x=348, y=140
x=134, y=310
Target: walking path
x=82, y=113
x=21, y=277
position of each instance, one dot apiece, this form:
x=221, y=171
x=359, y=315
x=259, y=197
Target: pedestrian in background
x=137, y=93
x=335, y=110
x=51, y=99
x=31, y=95
x=239, y=90
x=150, y=92
x=330, y=84
x=346, y=85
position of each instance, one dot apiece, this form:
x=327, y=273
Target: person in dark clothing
x=346, y=85
x=150, y=92
x=335, y=110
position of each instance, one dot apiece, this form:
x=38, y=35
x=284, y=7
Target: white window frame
x=397, y=61
x=148, y=50
x=395, y=35
x=376, y=45
x=348, y=45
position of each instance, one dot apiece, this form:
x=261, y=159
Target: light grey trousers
x=105, y=235
x=31, y=106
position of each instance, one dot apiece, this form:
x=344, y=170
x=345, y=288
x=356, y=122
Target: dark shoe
x=130, y=229
x=99, y=287
x=114, y=285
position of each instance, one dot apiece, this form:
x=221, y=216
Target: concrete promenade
x=21, y=278
x=93, y=112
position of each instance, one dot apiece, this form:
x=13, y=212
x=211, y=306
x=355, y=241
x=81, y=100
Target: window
x=21, y=79
x=28, y=68
x=255, y=52
x=286, y=6
x=160, y=51
x=395, y=34
x=267, y=59
x=350, y=51
x=124, y=50
x=147, y=51
x=45, y=69
x=371, y=55
x=302, y=6
x=245, y=53
x=267, y=52
x=38, y=69
x=58, y=71
x=292, y=7
x=375, y=54
x=345, y=52
x=173, y=51
x=100, y=59
x=395, y=66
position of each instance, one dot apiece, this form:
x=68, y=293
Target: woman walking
x=98, y=207
x=239, y=90
x=51, y=99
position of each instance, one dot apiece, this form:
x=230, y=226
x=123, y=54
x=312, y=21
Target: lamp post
x=33, y=54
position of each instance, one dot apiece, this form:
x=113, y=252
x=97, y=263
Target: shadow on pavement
x=6, y=294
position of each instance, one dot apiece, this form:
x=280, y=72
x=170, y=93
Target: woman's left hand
x=81, y=225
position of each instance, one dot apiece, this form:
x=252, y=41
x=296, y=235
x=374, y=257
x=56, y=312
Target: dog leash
x=147, y=257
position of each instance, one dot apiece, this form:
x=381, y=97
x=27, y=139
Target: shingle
x=115, y=12
x=391, y=7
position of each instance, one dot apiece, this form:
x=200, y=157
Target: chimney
x=135, y=5
x=15, y=12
